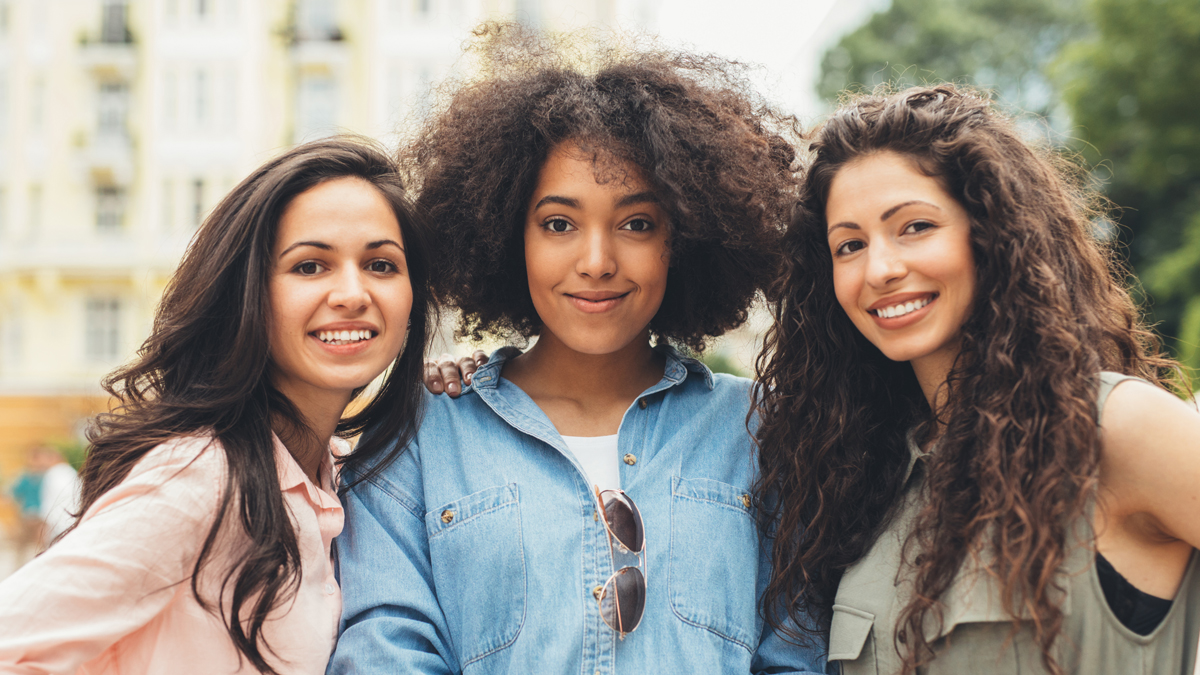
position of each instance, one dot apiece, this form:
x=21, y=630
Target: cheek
x=847, y=284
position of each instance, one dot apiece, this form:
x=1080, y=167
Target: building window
x=110, y=208
x=316, y=112
x=35, y=209
x=102, y=326
x=197, y=202
x=168, y=205
x=114, y=27
x=171, y=101
x=113, y=110
x=202, y=99
x=317, y=20
x=38, y=104
x=3, y=211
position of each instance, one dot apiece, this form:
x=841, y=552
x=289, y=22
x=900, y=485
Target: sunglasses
x=623, y=597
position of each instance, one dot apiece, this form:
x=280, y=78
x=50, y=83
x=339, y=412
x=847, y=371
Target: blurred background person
x=58, y=493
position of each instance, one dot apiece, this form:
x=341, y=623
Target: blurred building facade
x=122, y=122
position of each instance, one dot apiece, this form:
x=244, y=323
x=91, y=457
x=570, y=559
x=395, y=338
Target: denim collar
x=675, y=372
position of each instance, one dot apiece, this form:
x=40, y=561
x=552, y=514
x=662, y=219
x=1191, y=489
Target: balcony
x=111, y=53
x=108, y=159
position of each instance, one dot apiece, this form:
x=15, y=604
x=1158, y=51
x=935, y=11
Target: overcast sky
x=786, y=37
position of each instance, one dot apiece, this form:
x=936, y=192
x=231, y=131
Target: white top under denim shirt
x=478, y=549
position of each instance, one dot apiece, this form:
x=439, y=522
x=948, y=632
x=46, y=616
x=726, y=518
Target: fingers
x=444, y=374
x=469, y=364
x=451, y=375
x=433, y=378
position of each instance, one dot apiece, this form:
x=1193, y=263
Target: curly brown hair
x=719, y=159
x=1018, y=457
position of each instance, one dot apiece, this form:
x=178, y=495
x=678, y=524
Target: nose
x=597, y=259
x=348, y=291
x=885, y=264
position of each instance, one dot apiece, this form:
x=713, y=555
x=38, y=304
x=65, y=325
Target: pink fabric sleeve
x=130, y=557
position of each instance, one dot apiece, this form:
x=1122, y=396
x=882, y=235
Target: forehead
x=876, y=182
x=572, y=164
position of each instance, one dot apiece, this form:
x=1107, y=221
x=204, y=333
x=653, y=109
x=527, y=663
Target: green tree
x=1133, y=91
x=1000, y=45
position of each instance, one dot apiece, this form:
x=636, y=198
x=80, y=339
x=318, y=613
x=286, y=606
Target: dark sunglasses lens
x=624, y=599
x=624, y=520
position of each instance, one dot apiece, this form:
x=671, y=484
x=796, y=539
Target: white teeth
x=342, y=337
x=903, y=308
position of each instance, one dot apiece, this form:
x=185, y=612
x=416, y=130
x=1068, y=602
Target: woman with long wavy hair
x=208, y=505
x=967, y=433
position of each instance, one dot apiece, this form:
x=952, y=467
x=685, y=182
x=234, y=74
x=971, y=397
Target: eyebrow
x=326, y=247
x=646, y=197
x=892, y=211
x=883, y=216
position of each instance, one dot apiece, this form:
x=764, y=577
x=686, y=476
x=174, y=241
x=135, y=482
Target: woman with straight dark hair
x=980, y=465
x=209, y=504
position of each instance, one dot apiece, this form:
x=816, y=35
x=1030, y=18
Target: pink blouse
x=114, y=597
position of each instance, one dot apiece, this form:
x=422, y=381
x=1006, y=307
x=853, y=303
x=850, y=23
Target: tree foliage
x=1133, y=91
x=1001, y=45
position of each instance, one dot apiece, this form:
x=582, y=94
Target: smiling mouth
x=597, y=300
x=902, y=308
x=343, y=337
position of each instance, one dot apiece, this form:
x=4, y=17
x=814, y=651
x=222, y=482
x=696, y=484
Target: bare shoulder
x=1151, y=456
x=1139, y=416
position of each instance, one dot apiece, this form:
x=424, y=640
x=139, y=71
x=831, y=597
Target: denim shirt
x=479, y=549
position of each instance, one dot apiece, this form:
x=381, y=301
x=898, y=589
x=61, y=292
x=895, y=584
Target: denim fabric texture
x=478, y=550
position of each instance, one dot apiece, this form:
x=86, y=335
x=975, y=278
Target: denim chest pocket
x=478, y=560
x=714, y=559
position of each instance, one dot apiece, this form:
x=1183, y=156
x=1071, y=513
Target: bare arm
x=1149, y=486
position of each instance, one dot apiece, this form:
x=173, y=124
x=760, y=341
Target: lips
x=594, y=302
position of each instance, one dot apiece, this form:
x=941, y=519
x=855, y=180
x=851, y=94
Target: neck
x=932, y=372
x=320, y=413
x=554, y=369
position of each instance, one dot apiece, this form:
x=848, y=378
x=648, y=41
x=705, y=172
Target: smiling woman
x=980, y=464
x=209, y=501
x=585, y=505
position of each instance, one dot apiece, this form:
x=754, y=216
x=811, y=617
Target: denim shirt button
x=596, y=592
x=447, y=516
x=642, y=403
x=630, y=459
x=746, y=501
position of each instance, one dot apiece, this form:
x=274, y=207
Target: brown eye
x=382, y=267
x=307, y=268
x=847, y=247
x=638, y=225
x=558, y=226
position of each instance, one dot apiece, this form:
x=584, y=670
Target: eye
x=918, y=226
x=638, y=225
x=849, y=246
x=382, y=267
x=308, y=268
x=558, y=225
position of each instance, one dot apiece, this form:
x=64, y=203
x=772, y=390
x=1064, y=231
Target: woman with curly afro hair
x=980, y=466
x=584, y=506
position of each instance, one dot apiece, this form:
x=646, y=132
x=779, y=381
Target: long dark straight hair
x=204, y=370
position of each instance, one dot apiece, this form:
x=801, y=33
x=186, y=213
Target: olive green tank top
x=976, y=638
